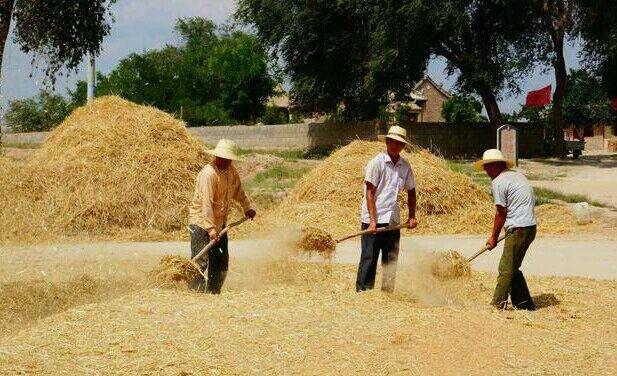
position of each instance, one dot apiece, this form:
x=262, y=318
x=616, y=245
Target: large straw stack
x=330, y=196
x=111, y=167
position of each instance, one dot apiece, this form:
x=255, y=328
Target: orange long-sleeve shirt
x=214, y=190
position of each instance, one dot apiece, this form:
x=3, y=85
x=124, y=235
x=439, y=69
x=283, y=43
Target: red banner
x=614, y=104
x=539, y=98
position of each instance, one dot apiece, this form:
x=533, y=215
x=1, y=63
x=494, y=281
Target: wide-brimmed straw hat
x=396, y=133
x=490, y=156
x=226, y=149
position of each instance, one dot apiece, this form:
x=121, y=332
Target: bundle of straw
x=316, y=240
x=173, y=270
x=450, y=265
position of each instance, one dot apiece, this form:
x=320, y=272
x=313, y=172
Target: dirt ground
x=593, y=175
x=266, y=322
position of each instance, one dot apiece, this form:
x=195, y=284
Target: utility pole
x=91, y=77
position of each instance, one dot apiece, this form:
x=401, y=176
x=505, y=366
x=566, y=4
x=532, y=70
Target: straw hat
x=396, y=133
x=226, y=149
x=490, y=156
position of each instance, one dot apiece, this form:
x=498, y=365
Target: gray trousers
x=216, y=261
x=388, y=244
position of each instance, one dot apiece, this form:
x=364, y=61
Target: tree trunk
x=561, y=75
x=492, y=108
x=6, y=10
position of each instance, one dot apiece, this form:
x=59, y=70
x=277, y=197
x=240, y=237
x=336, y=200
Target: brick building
x=424, y=103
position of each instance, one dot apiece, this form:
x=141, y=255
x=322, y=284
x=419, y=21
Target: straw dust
x=111, y=167
x=450, y=265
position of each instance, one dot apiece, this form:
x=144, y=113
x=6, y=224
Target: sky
x=141, y=25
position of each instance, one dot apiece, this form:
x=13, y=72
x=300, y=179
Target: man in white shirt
x=386, y=175
x=514, y=203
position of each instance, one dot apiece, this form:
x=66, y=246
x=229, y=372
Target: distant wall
x=450, y=140
x=467, y=140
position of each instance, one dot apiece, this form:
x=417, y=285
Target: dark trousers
x=216, y=261
x=511, y=280
x=388, y=244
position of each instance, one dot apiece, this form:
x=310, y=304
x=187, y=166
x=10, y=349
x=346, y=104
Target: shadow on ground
x=601, y=161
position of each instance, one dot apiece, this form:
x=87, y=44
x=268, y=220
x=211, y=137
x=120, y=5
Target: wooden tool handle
x=214, y=241
x=364, y=232
x=486, y=248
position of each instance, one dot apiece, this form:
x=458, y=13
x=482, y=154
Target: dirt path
x=548, y=256
x=592, y=175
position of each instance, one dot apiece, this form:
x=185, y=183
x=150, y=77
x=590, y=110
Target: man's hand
x=491, y=242
x=251, y=213
x=412, y=223
x=372, y=227
x=214, y=235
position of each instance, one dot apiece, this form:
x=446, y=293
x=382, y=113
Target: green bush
x=274, y=115
x=37, y=114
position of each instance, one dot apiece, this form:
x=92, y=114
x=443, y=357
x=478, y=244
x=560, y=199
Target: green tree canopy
x=357, y=51
x=215, y=77
x=37, y=114
x=461, y=109
x=61, y=31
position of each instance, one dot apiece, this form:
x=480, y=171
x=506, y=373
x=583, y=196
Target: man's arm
x=411, y=204
x=370, y=204
x=498, y=222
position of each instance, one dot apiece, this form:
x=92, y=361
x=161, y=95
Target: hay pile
x=112, y=167
x=174, y=270
x=329, y=196
x=450, y=265
x=316, y=240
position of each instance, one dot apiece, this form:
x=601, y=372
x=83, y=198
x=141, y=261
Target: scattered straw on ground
x=321, y=325
x=174, y=270
x=111, y=167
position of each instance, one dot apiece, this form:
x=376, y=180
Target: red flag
x=539, y=98
x=614, y=103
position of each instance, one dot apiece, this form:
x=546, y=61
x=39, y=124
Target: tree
x=37, y=114
x=340, y=53
x=556, y=20
x=61, y=31
x=597, y=26
x=461, y=109
x=215, y=77
x=586, y=102
x=357, y=51
x=490, y=43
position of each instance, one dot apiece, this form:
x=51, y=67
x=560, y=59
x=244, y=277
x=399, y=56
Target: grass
x=277, y=178
x=290, y=154
x=21, y=145
x=543, y=195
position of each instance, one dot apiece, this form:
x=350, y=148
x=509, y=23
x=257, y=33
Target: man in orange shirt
x=216, y=185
